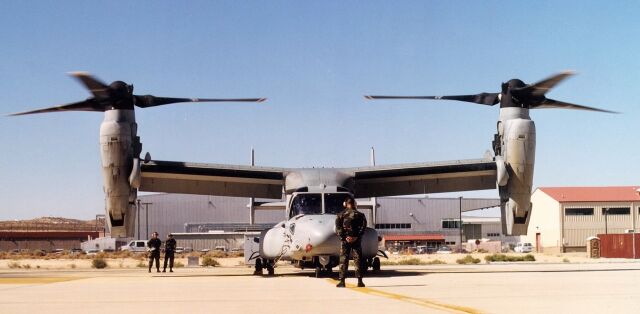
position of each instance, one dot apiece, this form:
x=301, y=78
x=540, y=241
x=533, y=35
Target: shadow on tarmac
x=309, y=273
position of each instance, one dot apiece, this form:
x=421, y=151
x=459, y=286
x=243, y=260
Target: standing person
x=154, y=251
x=169, y=252
x=350, y=226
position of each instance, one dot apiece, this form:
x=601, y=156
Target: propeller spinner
x=119, y=95
x=515, y=93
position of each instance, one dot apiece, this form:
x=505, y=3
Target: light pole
x=460, y=222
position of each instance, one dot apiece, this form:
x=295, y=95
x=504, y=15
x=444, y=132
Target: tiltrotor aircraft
x=313, y=196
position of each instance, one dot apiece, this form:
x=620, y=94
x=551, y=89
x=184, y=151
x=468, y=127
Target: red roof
x=413, y=237
x=593, y=194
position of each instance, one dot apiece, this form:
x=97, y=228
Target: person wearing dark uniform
x=169, y=252
x=350, y=226
x=154, y=251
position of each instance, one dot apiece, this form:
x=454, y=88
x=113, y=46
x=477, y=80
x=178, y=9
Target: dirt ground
x=132, y=262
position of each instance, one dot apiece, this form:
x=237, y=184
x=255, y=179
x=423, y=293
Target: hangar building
x=564, y=217
x=402, y=221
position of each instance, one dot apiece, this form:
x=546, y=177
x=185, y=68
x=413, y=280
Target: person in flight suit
x=169, y=251
x=154, y=250
x=350, y=226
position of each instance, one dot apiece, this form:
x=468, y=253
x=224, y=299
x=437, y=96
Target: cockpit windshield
x=333, y=202
x=311, y=203
x=308, y=204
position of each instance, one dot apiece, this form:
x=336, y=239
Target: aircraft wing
x=424, y=178
x=212, y=179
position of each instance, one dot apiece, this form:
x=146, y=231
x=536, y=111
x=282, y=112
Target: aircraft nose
x=317, y=236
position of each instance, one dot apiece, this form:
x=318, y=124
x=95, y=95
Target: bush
x=209, y=261
x=72, y=266
x=98, y=263
x=436, y=262
x=468, y=260
x=410, y=261
x=509, y=258
x=14, y=264
x=566, y=260
x=141, y=263
x=178, y=264
x=26, y=266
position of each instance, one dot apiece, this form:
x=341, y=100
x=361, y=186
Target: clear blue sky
x=314, y=61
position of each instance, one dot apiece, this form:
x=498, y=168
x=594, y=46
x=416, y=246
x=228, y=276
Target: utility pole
x=460, y=222
x=606, y=225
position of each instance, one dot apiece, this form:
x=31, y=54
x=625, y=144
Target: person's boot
x=149, y=269
x=170, y=270
x=164, y=270
x=341, y=283
x=158, y=270
x=360, y=283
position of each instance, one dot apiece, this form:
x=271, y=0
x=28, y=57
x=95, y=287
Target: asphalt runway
x=495, y=288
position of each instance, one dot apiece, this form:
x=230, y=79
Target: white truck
x=135, y=246
x=99, y=245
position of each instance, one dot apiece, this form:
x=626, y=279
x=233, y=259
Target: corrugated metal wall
x=577, y=228
x=170, y=212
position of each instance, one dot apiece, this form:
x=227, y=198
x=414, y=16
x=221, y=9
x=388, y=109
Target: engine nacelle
x=119, y=145
x=518, y=150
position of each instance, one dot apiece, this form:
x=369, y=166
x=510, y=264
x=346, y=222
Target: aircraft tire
x=258, y=267
x=318, y=272
x=375, y=265
x=270, y=269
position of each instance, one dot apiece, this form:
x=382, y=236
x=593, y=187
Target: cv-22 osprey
x=313, y=196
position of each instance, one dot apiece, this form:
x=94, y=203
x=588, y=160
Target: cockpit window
x=333, y=202
x=308, y=204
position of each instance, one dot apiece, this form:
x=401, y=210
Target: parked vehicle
x=523, y=248
x=444, y=250
x=135, y=246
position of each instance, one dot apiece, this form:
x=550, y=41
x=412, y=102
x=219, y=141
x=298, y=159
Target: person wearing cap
x=169, y=252
x=153, y=246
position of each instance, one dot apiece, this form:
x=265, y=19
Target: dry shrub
x=99, y=263
x=509, y=258
x=14, y=264
x=209, y=261
x=141, y=263
x=26, y=266
x=72, y=266
x=436, y=262
x=468, y=260
x=178, y=264
x=216, y=254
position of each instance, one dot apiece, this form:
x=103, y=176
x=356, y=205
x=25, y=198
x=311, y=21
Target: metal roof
x=593, y=193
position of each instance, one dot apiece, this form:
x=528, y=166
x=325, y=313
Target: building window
x=493, y=234
x=393, y=226
x=578, y=211
x=450, y=243
x=616, y=211
x=450, y=223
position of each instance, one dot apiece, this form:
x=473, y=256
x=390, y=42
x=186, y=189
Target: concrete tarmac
x=494, y=288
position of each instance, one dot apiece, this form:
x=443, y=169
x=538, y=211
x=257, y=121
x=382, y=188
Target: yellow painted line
x=422, y=302
x=35, y=280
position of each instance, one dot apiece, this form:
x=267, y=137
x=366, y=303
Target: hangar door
x=472, y=231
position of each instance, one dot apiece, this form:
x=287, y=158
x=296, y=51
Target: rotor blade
x=144, y=101
x=97, y=88
x=488, y=99
x=552, y=103
x=542, y=87
x=86, y=105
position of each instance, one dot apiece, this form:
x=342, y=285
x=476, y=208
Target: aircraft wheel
x=375, y=265
x=270, y=269
x=318, y=272
x=258, y=267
